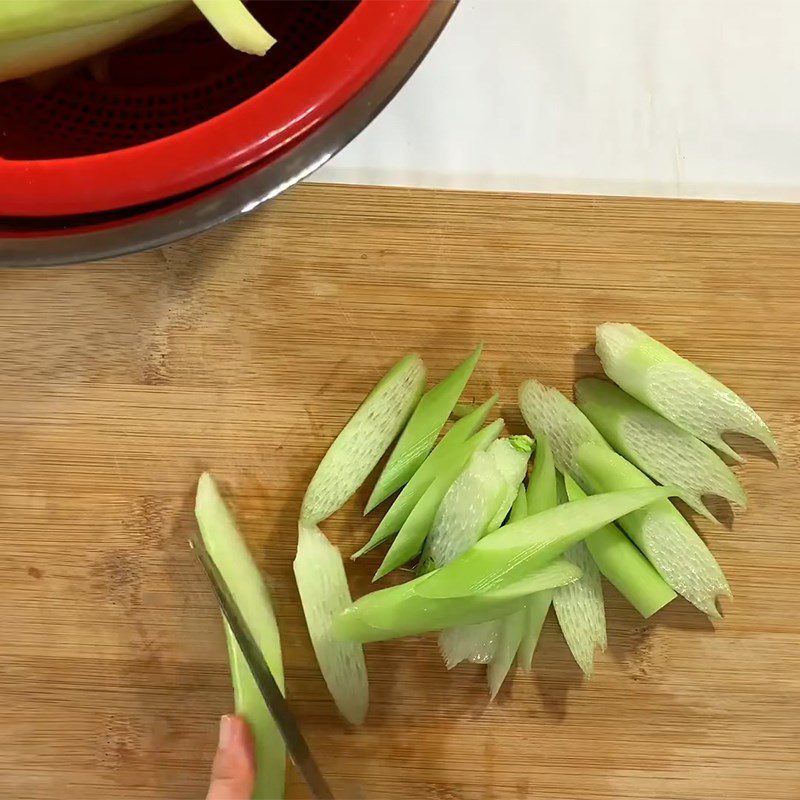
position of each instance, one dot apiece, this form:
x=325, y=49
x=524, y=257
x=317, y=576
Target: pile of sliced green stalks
x=40, y=35
x=494, y=546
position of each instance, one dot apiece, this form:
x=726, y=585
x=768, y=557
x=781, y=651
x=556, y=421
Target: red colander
x=175, y=114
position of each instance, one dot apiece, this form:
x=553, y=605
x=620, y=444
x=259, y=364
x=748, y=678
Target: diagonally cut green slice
x=232, y=558
x=476, y=643
x=477, y=502
x=660, y=531
x=236, y=25
x=542, y=494
x=366, y=437
x=464, y=513
x=542, y=489
x=549, y=414
x=479, y=643
x=249, y=704
x=623, y=565
x=508, y=554
x=322, y=584
x=410, y=539
x=481, y=496
x=512, y=628
x=402, y=611
x=420, y=434
x=535, y=614
x=676, y=388
x=508, y=632
x=519, y=509
x=441, y=456
x=461, y=410
x=580, y=610
x=667, y=453
x=569, y=430
x=511, y=456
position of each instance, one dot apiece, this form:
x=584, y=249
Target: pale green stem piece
x=403, y=611
x=542, y=488
x=482, y=495
x=508, y=632
x=658, y=447
x=508, y=554
x=552, y=416
x=542, y=494
x=411, y=537
x=442, y=455
x=476, y=643
x=420, y=434
x=237, y=567
x=461, y=410
x=364, y=439
x=512, y=628
x=248, y=703
x=676, y=388
x=324, y=593
x=519, y=510
x=476, y=503
x=659, y=531
x=580, y=610
x=549, y=413
x=623, y=565
x=535, y=614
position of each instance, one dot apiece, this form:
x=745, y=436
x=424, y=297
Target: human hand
x=234, y=770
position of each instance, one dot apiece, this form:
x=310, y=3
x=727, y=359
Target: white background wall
x=685, y=98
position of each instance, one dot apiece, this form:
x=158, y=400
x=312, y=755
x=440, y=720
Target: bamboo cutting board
x=244, y=351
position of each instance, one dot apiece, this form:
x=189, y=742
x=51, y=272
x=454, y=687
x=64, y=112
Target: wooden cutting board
x=244, y=351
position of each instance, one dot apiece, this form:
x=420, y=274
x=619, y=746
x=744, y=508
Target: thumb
x=234, y=769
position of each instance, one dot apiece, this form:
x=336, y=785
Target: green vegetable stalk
x=411, y=537
x=324, y=593
x=229, y=552
x=404, y=611
x=667, y=453
x=450, y=448
x=660, y=531
x=364, y=439
x=509, y=554
x=672, y=546
x=236, y=25
x=676, y=388
x=512, y=627
x=542, y=495
x=549, y=414
x=580, y=609
x=623, y=565
x=420, y=434
x=477, y=502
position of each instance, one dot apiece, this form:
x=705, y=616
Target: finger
x=234, y=770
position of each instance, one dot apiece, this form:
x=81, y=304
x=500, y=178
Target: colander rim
x=211, y=151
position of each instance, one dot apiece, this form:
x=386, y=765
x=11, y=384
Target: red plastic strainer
x=184, y=111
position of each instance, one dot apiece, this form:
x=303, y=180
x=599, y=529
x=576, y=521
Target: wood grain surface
x=244, y=351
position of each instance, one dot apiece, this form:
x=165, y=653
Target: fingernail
x=226, y=732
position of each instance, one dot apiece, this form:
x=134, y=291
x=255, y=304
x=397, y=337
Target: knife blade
x=276, y=703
